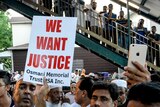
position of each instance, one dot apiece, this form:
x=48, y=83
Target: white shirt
x=88, y=13
x=75, y=105
x=70, y=96
x=94, y=18
x=48, y=104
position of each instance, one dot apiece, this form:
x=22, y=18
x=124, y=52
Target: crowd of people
x=139, y=90
x=107, y=24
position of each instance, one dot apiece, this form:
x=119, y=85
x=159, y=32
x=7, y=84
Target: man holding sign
x=50, y=52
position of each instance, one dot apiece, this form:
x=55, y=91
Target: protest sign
x=50, y=51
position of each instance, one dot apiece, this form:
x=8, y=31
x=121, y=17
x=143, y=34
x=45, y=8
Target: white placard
x=50, y=51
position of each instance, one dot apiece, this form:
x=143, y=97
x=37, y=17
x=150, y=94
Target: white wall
x=21, y=33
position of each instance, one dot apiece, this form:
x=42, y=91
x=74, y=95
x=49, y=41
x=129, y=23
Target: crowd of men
x=107, y=24
x=140, y=91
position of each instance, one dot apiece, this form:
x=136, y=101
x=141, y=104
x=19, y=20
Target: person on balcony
x=47, y=4
x=110, y=25
x=94, y=18
x=102, y=22
x=88, y=9
x=122, y=23
x=153, y=49
x=142, y=31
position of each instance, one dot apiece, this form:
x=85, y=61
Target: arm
x=86, y=8
x=157, y=42
x=41, y=93
x=137, y=76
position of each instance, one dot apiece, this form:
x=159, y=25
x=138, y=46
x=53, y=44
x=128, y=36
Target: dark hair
x=155, y=77
x=153, y=27
x=146, y=93
x=110, y=5
x=73, y=82
x=111, y=87
x=86, y=84
x=5, y=76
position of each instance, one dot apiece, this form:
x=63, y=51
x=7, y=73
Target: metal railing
x=107, y=32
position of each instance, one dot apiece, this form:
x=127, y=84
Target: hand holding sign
x=41, y=91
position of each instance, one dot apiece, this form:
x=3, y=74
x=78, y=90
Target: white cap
x=120, y=83
x=91, y=74
x=52, y=87
x=73, y=75
x=17, y=77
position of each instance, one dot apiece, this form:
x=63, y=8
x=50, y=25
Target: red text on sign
x=49, y=61
x=51, y=43
x=53, y=25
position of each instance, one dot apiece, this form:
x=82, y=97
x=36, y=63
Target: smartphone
x=137, y=52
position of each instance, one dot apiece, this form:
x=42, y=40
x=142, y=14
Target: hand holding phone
x=135, y=70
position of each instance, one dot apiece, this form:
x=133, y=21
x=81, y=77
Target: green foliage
x=5, y=32
x=5, y=38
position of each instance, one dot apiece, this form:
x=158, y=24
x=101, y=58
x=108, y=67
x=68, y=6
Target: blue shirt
x=142, y=32
x=109, y=23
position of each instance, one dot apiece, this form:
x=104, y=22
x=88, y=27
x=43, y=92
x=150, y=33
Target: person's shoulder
x=114, y=15
x=48, y=104
x=106, y=14
x=75, y=105
x=145, y=28
x=88, y=105
x=66, y=105
x=68, y=94
x=157, y=36
x=88, y=6
x=135, y=28
x=12, y=101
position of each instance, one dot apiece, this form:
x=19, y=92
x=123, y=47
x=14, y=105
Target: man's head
x=110, y=7
x=4, y=82
x=94, y=5
x=104, y=95
x=73, y=87
x=122, y=90
x=76, y=72
x=144, y=95
x=141, y=22
x=55, y=95
x=153, y=29
x=83, y=90
x=97, y=76
x=104, y=8
x=121, y=13
x=24, y=94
